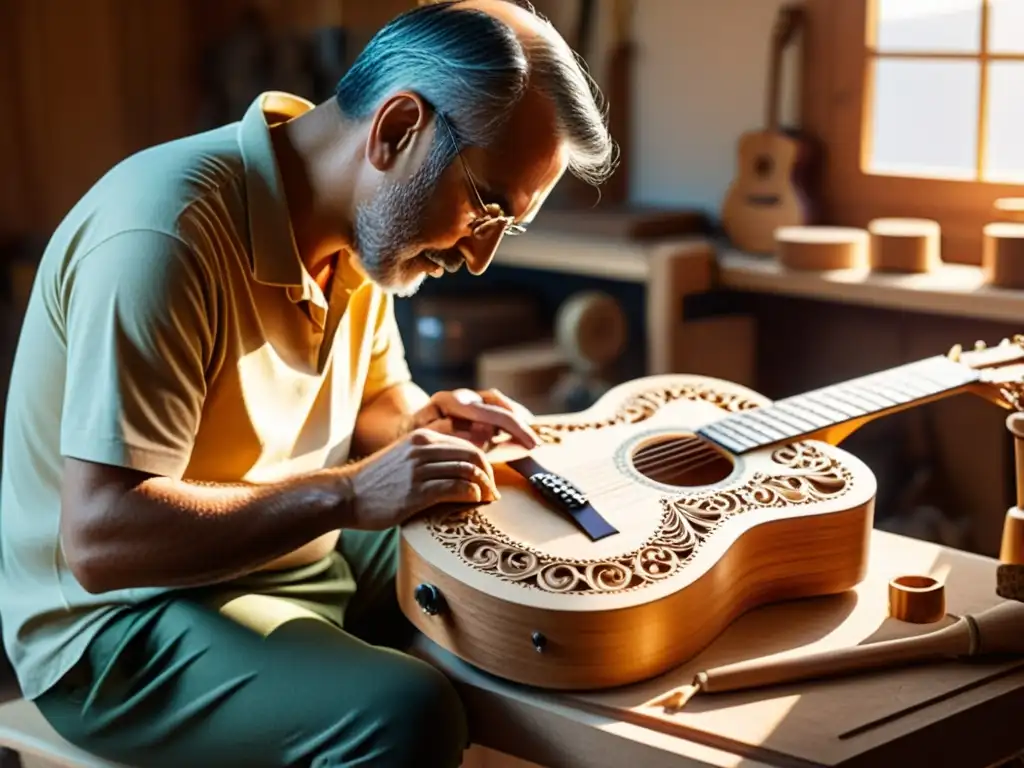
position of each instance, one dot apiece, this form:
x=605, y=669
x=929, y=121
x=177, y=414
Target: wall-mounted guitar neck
x=832, y=413
x=773, y=166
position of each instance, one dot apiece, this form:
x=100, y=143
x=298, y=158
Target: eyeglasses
x=488, y=211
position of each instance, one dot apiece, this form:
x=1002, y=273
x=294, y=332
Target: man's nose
x=482, y=245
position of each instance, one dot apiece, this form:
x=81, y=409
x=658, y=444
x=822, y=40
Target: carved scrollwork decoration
x=806, y=475
x=643, y=406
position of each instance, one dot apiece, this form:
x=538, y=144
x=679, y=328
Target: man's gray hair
x=473, y=69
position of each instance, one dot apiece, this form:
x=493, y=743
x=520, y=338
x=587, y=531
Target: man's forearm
x=387, y=418
x=174, y=533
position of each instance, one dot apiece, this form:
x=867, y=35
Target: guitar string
x=679, y=448
x=685, y=458
x=678, y=456
x=630, y=486
x=650, y=460
x=653, y=459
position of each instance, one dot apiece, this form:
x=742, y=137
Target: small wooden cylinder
x=821, y=248
x=905, y=245
x=1011, y=546
x=917, y=599
x=1003, y=254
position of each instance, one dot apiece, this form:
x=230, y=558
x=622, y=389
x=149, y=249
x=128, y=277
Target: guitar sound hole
x=684, y=461
x=763, y=166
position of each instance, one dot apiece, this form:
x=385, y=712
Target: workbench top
x=955, y=713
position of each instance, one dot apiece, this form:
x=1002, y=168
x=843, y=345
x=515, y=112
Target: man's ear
x=395, y=127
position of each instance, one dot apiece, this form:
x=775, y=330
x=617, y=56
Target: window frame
x=836, y=100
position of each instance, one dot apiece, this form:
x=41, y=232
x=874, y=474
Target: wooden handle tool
x=998, y=630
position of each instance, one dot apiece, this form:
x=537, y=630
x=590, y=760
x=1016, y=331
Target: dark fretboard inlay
x=802, y=415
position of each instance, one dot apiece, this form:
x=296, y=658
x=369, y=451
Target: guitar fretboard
x=802, y=415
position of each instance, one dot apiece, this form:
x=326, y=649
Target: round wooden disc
x=1003, y=254
x=821, y=248
x=1010, y=209
x=905, y=245
x=591, y=329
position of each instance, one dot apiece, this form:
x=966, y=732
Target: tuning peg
x=954, y=352
x=980, y=345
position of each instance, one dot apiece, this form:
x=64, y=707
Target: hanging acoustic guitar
x=642, y=527
x=774, y=166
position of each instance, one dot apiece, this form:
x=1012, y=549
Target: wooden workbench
x=965, y=715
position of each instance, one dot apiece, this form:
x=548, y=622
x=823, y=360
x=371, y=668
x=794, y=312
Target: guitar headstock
x=1001, y=369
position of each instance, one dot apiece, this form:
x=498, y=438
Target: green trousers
x=293, y=668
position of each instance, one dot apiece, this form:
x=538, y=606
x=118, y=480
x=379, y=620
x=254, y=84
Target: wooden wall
x=88, y=82
x=85, y=84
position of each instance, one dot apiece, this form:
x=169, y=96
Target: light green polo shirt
x=172, y=328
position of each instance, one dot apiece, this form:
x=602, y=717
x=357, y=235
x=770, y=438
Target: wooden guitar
x=642, y=527
x=773, y=166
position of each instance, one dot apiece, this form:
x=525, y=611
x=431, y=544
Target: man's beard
x=387, y=228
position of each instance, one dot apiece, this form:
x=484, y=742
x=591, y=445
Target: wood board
x=861, y=720
x=623, y=222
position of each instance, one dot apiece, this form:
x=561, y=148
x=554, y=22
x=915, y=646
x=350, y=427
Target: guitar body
x=517, y=589
x=769, y=191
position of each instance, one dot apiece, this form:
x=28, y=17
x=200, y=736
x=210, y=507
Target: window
x=918, y=107
x=944, y=95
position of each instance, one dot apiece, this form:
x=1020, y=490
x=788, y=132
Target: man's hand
x=420, y=470
x=476, y=417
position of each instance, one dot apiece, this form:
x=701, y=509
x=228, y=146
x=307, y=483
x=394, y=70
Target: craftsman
x=210, y=340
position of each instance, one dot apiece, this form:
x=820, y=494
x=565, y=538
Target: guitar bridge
x=563, y=496
x=558, y=490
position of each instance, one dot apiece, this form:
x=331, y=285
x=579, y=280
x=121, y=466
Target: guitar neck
x=861, y=399
x=771, y=117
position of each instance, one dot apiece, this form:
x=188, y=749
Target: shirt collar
x=275, y=256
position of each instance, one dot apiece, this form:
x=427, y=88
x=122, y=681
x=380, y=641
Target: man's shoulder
x=159, y=189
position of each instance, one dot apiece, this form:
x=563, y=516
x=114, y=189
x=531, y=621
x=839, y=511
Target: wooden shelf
x=572, y=254
x=953, y=289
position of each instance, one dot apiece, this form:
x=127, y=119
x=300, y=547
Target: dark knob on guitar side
x=539, y=641
x=428, y=597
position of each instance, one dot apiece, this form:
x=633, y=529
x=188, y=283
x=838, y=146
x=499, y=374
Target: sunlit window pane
x=924, y=118
x=1006, y=26
x=1005, y=161
x=946, y=26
